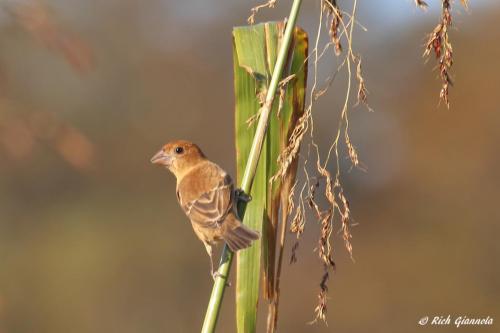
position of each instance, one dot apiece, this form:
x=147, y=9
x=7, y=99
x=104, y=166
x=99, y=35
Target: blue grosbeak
x=207, y=196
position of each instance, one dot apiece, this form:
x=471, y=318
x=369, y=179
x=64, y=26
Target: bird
x=207, y=196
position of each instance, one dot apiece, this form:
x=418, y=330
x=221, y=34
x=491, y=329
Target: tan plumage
x=207, y=196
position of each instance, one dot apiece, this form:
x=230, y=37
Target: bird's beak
x=161, y=158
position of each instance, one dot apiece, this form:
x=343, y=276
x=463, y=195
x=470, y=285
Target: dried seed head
x=290, y=152
x=334, y=15
x=421, y=4
x=255, y=10
x=439, y=43
x=353, y=154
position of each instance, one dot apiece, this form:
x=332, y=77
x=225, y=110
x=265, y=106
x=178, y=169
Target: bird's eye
x=179, y=150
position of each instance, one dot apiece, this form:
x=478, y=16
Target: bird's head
x=178, y=156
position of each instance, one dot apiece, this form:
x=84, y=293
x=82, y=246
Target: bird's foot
x=241, y=195
x=216, y=275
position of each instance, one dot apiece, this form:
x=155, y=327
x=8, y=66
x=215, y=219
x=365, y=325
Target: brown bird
x=207, y=196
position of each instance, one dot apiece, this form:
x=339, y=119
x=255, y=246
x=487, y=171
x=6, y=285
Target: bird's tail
x=237, y=235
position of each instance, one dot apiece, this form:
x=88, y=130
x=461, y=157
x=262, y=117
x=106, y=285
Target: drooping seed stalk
x=220, y=283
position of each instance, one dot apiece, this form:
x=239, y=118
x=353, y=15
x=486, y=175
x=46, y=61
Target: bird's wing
x=211, y=207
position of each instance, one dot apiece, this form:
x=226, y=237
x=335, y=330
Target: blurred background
x=92, y=238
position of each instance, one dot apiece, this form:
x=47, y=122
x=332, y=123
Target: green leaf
x=254, y=56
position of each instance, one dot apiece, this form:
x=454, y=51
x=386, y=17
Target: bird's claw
x=241, y=195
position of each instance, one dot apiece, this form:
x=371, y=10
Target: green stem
x=248, y=176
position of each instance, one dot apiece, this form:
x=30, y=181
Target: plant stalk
x=220, y=283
